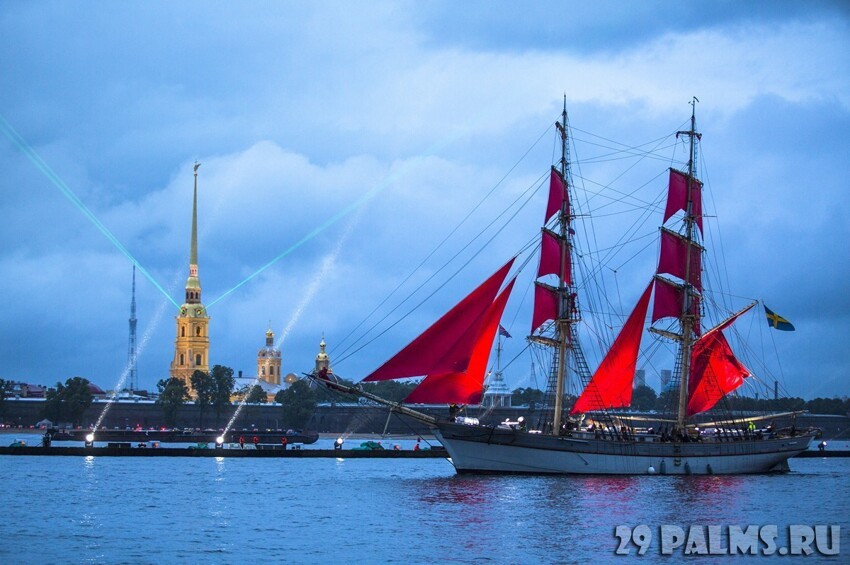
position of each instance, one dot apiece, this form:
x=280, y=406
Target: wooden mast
x=687, y=318
x=564, y=307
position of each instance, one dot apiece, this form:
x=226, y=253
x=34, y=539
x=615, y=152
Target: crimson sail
x=466, y=386
x=678, y=197
x=446, y=345
x=715, y=371
x=611, y=385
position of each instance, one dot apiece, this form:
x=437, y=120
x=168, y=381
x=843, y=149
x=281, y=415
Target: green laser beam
x=388, y=181
x=316, y=231
x=45, y=169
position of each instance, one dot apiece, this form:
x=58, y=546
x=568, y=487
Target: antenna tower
x=131, y=347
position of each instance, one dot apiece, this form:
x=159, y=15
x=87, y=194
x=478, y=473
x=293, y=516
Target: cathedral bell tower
x=192, y=345
x=268, y=360
x=322, y=359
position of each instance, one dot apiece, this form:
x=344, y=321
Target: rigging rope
x=530, y=191
x=431, y=254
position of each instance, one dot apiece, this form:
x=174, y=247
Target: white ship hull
x=482, y=449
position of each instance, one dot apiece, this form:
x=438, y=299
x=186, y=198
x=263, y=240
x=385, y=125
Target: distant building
x=25, y=390
x=96, y=391
x=497, y=393
x=322, y=359
x=268, y=361
x=243, y=385
x=640, y=378
x=666, y=377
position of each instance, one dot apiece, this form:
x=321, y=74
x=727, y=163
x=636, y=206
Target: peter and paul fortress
x=192, y=345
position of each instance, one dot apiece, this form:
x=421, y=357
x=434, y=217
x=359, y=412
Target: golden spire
x=193, y=283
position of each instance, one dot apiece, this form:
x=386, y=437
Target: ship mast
x=566, y=309
x=687, y=319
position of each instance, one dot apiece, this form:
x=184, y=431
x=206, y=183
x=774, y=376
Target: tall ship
x=589, y=433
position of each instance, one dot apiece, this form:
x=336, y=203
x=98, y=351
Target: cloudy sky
x=341, y=143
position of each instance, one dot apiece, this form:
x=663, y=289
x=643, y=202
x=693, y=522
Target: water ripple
x=174, y=510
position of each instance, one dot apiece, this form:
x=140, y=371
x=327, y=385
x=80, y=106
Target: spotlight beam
x=374, y=191
x=45, y=169
x=316, y=231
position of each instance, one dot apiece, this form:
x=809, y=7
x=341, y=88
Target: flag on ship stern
x=776, y=321
x=503, y=331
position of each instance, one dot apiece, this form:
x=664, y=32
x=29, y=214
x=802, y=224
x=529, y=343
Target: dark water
x=175, y=510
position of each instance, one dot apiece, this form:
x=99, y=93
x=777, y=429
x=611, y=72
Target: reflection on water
x=179, y=510
x=467, y=490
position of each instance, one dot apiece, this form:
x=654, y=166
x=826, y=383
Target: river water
x=218, y=510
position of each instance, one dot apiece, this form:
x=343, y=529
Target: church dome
x=291, y=378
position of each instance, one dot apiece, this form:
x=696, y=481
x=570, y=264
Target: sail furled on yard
x=678, y=197
x=668, y=301
x=680, y=258
x=611, y=385
x=557, y=194
x=447, y=344
x=715, y=371
x=466, y=386
x=545, y=305
x=553, y=255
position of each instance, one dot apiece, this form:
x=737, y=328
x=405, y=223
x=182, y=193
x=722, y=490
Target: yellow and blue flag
x=776, y=321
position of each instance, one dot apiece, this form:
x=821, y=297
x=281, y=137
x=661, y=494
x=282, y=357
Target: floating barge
x=187, y=436
x=125, y=450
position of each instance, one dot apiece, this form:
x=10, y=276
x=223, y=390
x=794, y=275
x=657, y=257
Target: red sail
x=465, y=387
x=545, y=305
x=668, y=302
x=550, y=257
x=677, y=196
x=557, y=194
x=715, y=371
x=674, y=258
x=611, y=385
x=446, y=345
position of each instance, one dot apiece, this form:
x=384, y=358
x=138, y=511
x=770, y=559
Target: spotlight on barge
x=90, y=440
x=219, y=442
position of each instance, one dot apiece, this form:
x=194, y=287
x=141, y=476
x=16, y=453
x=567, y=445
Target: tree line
x=644, y=398
x=68, y=402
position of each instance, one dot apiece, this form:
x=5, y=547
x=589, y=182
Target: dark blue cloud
x=600, y=26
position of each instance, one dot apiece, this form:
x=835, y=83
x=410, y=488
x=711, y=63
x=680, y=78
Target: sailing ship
x=587, y=434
